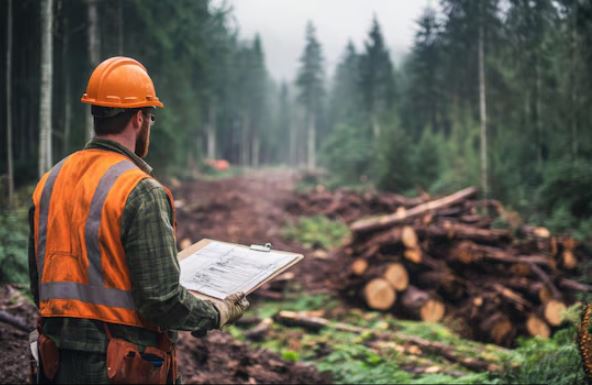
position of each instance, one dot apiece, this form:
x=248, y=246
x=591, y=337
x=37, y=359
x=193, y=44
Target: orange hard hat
x=121, y=82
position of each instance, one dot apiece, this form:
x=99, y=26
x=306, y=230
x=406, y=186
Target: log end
x=537, y=327
x=397, y=276
x=554, y=312
x=379, y=294
x=413, y=255
x=432, y=311
x=359, y=267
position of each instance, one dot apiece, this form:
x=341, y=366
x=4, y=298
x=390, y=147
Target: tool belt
x=127, y=364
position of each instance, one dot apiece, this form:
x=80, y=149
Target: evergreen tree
x=311, y=90
x=345, y=100
x=425, y=101
x=376, y=79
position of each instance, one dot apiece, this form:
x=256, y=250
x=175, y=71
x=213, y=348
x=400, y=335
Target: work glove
x=231, y=309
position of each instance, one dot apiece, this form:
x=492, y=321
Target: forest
x=493, y=94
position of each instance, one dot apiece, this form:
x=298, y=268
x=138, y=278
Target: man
x=102, y=253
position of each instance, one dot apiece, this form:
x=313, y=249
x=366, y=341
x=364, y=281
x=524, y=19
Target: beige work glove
x=231, y=309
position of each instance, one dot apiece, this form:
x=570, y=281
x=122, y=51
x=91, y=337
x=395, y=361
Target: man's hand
x=232, y=308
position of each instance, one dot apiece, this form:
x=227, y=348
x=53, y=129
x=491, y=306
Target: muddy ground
x=241, y=209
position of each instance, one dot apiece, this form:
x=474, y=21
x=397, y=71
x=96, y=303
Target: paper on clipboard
x=217, y=269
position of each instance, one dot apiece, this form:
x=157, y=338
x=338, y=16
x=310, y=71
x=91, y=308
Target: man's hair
x=112, y=120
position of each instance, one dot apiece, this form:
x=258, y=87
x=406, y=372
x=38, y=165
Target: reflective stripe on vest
x=94, y=292
x=44, y=212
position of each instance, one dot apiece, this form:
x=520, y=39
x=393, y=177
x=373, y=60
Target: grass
x=316, y=232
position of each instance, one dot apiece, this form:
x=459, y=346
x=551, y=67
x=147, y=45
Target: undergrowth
x=14, y=235
x=316, y=232
x=356, y=358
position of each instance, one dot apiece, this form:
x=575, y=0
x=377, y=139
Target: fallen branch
x=14, y=321
x=289, y=318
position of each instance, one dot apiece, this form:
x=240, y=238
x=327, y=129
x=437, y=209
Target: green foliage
x=565, y=198
x=349, y=155
x=291, y=356
x=396, y=162
x=556, y=361
x=14, y=236
x=317, y=232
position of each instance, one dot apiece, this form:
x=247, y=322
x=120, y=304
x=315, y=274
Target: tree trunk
x=244, y=144
x=45, y=160
x=255, y=149
x=93, y=53
x=483, y=113
x=10, y=170
x=311, y=145
x=211, y=132
x=120, y=28
x=67, y=93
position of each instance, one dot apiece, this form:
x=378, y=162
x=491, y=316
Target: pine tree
x=311, y=90
x=425, y=101
x=346, y=104
x=377, y=78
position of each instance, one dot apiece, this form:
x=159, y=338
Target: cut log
x=544, y=294
x=421, y=305
x=397, y=276
x=464, y=252
x=568, y=259
x=537, y=327
x=401, y=216
x=553, y=311
x=520, y=269
x=519, y=302
x=461, y=231
x=379, y=294
x=359, y=267
x=498, y=327
x=413, y=255
x=409, y=237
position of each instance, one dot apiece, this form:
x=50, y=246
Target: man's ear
x=138, y=119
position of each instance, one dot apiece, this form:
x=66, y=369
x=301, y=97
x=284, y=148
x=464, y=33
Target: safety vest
x=81, y=261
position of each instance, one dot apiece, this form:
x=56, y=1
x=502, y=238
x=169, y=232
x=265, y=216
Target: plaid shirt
x=149, y=241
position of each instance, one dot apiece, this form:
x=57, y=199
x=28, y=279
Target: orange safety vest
x=81, y=260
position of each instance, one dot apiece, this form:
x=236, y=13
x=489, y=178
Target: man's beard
x=143, y=140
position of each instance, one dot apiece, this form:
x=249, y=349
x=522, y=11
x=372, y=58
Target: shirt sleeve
x=149, y=242
x=33, y=274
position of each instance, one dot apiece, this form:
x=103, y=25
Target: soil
x=14, y=344
x=247, y=209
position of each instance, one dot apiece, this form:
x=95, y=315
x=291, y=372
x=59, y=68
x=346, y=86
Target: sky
x=281, y=24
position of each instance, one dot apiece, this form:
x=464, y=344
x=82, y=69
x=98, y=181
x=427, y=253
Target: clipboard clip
x=266, y=248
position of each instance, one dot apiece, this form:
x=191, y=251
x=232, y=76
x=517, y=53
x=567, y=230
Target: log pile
x=446, y=258
x=347, y=205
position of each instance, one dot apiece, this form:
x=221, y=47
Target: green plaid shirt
x=149, y=242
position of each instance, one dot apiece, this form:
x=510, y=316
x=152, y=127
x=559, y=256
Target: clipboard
x=208, y=260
